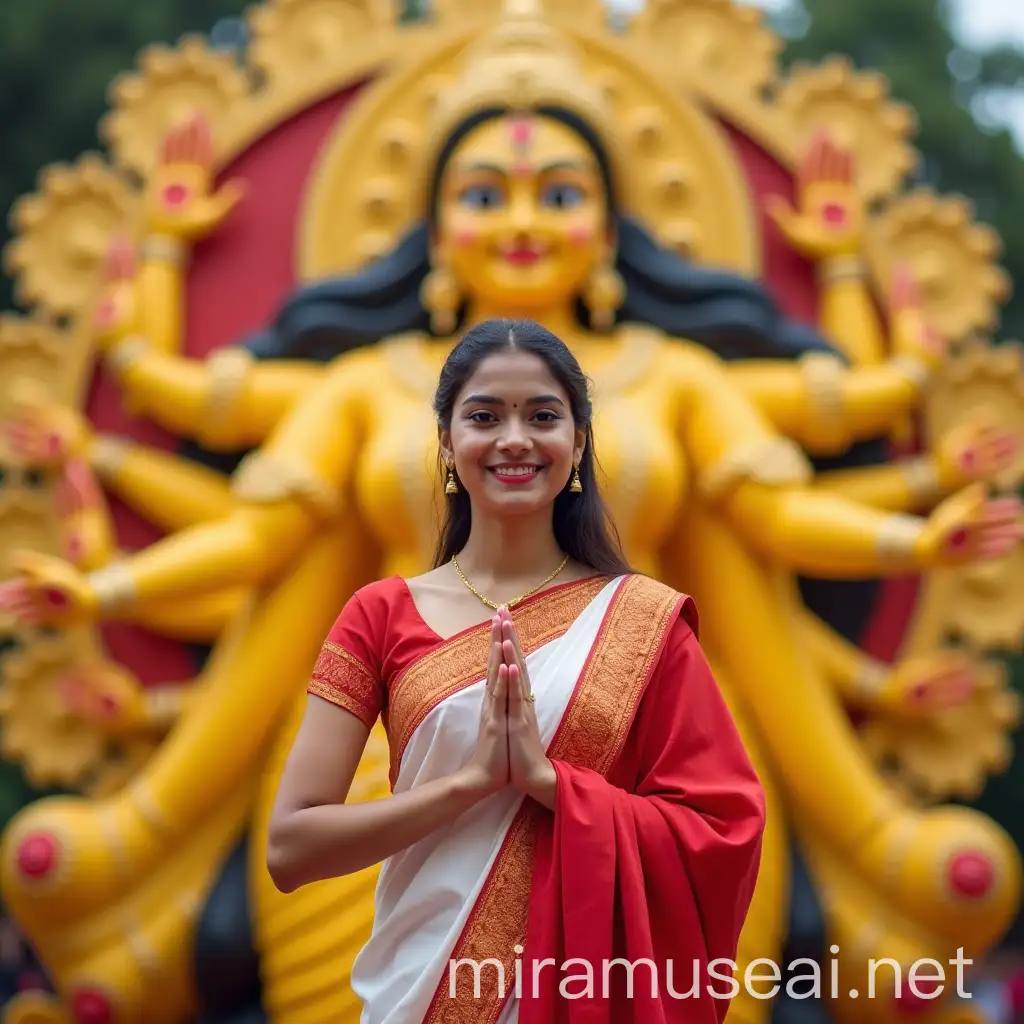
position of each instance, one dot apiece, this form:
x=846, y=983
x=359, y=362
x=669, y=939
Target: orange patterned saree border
x=462, y=660
x=591, y=735
x=343, y=679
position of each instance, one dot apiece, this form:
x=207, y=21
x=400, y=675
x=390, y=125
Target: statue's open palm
x=181, y=200
x=828, y=219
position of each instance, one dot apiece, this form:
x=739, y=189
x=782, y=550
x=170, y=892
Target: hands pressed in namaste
x=510, y=750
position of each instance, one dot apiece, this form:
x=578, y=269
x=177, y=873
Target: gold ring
x=531, y=697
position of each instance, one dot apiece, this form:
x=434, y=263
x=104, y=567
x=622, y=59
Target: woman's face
x=522, y=219
x=512, y=435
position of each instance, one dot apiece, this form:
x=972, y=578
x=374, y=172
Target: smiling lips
x=515, y=474
x=524, y=254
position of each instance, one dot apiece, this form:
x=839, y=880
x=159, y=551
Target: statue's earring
x=451, y=486
x=441, y=298
x=576, y=485
x=603, y=294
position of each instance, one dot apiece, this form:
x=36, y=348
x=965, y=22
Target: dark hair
x=731, y=315
x=583, y=528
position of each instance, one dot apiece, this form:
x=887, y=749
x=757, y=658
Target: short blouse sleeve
x=348, y=671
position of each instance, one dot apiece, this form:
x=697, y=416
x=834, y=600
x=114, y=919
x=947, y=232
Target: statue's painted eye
x=482, y=197
x=562, y=196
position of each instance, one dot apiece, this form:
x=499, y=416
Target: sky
x=978, y=23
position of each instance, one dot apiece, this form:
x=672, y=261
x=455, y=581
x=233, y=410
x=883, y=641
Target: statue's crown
x=521, y=63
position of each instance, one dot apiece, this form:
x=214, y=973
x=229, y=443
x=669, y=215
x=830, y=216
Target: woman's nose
x=515, y=436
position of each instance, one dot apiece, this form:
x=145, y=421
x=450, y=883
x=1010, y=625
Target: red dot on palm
x=958, y=538
x=56, y=597
x=175, y=195
x=968, y=459
x=834, y=214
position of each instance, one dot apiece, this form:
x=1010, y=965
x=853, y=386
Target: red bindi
x=522, y=136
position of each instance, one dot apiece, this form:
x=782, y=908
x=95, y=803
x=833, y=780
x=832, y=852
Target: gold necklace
x=508, y=604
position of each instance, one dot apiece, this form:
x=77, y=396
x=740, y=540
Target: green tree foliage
x=57, y=59
x=953, y=90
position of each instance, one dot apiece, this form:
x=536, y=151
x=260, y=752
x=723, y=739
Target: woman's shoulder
x=380, y=593
x=368, y=617
x=656, y=601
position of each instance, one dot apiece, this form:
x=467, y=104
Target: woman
x=579, y=727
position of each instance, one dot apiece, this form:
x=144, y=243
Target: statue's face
x=522, y=220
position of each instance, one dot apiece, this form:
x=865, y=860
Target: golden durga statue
x=344, y=201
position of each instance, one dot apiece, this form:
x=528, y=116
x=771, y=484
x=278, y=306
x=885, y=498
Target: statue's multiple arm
x=826, y=225
x=283, y=493
x=227, y=402
x=824, y=405
x=977, y=448
x=169, y=491
x=764, y=485
x=173, y=494
x=912, y=686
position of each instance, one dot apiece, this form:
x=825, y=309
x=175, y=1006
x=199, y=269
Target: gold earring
x=451, y=487
x=576, y=485
x=440, y=296
x=603, y=294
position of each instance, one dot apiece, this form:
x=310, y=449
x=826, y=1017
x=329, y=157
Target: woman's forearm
x=315, y=843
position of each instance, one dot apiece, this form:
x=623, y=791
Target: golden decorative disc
x=291, y=39
x=684, y=182
x=951, y=258
x=170, y=86
x=950, y=755
x=32, y=347
x=709, y=39
x=855, y=107
x=62, y=233
x=980, y=377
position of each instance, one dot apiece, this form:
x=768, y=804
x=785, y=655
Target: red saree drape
x=655, y=862
x=650, y=856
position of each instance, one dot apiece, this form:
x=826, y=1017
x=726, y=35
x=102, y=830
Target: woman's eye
x=546, y=417
x=563, y=196
x=482, y=417
x=482, y=197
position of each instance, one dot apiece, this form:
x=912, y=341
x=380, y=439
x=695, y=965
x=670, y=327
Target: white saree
x=426, y=893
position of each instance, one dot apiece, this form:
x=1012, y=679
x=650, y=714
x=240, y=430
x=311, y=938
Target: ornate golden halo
x=684, y=182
